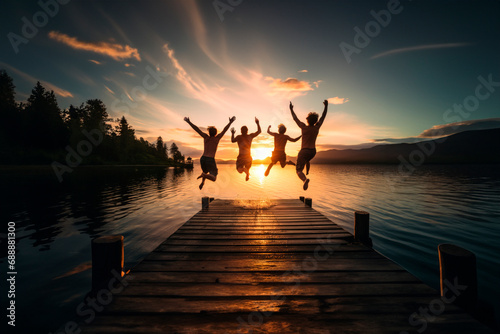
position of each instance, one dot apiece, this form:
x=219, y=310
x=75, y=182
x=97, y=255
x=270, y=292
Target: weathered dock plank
x=272, y=267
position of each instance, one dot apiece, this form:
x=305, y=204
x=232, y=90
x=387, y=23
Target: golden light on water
x=258, y=172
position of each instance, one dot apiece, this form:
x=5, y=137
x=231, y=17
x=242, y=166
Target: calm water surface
x=410, y=216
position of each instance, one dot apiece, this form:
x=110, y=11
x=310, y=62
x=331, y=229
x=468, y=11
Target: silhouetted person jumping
x=280, y=140
x=210, y=141
x=309, y=135
x=244, y=160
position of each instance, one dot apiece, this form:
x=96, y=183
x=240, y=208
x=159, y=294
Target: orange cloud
x=289, y=85
x=113, y=50
x=95, y=61
x=338, y=100
x=303, y=71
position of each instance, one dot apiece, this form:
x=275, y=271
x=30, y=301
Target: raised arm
x=231, y=120
x=293, y=140
x=270, y=132
x=255, y=134
x=201, y=133
x=233, y=140
x=295, y=118
x=320, y=122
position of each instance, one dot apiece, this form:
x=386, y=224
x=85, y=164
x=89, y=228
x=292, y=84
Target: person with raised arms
x=244, y=159
x=309, y=135
x=280, y=140
x=210, y=143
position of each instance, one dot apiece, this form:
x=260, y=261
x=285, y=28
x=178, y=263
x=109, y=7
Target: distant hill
x=480, y=146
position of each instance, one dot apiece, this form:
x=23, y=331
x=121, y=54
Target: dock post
x=107, y=259
x=301, y=198
x=308, y=201
x=211, y=199
x=362, y=228
x=457, y=266
x=205, y=202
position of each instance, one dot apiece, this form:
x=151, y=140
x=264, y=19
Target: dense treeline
x=40, y=132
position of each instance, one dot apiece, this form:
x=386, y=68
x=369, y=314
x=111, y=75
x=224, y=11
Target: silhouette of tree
x=125, y=131
x=9, y=114
x=43, y=120
x=74, y=118
x=96, y=116
x=174, y=152
x=161, y=148
x=126, y=138
x=38, y=131
x=7, y=92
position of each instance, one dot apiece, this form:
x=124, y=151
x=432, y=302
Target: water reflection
x=55, y=221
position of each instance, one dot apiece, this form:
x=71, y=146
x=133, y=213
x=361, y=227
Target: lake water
x=410, y=216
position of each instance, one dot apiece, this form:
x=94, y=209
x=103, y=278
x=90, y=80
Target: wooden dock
x=279, y=266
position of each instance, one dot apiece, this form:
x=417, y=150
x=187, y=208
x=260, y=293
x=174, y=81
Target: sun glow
x=261, y=153
x=258, y=172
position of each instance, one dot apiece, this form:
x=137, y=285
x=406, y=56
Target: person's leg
x=308, y=166
x=248, y=165
x=302, y=160
x=240, y=165
x=247, y=172
x=210, y=177
x=299, y=167
x=204, y=167
x=212, y=170
x=202, y=183
x=268, y=169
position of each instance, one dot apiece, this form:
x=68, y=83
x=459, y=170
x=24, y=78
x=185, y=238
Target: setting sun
x=261, y=153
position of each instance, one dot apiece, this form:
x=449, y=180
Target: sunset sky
x=212, y=60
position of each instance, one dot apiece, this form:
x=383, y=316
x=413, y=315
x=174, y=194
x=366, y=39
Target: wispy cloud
x=113, y=50
x=130, y=74
x=338, y=100
x=303, y=71
x=109, y=89
x=443, y=130
x=181, y=74
x=407, y=140
x=57, y=90
x=95, y=61
x=420, y=48
x=452, y=128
